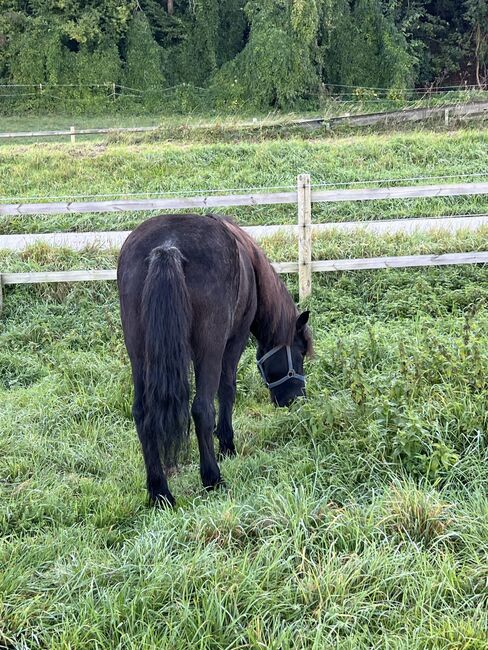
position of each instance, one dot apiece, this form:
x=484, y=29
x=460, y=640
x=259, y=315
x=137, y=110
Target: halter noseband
x=291, y=374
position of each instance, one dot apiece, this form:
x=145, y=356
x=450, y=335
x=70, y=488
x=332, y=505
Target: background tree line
x=261, y=53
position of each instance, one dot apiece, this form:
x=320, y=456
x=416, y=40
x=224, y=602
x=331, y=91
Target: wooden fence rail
x=320, y=266
x=448, y=111
x=114, y=239
x=73, y=132
x=270, y=198
x=415, y=114
x=193, y=203
x=304, y=197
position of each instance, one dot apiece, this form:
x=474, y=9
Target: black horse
x=191, y=289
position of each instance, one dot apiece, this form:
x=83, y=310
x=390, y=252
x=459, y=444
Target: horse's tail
x=166, y=314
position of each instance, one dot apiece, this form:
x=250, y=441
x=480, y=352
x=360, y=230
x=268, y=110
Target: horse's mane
x=276, y=311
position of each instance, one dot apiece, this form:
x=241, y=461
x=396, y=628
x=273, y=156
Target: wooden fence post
x=73, y=137
x=304, y=192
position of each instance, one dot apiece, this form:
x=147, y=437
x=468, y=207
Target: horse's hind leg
x=157, y=486
x=207, y=373
x=227, y=394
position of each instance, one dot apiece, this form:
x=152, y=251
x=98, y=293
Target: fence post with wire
x=304, y=200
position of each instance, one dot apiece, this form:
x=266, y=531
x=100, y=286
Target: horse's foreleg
x=227, y=395
x=203, y=413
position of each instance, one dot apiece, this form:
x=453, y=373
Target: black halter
x=292, y=374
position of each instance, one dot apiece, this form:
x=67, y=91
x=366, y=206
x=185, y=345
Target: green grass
x=113, y=115
x=40, y=172
x=54, y=122
x=357, y=519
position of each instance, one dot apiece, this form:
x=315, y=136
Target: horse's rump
x=211, y=263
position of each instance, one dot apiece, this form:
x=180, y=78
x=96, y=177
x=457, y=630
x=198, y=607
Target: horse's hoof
x=227, y=452
x=214, y=483
x=162, y=500
x=221, y=485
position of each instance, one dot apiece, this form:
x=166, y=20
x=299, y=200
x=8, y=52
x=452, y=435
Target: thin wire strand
x=420, y=91
x=127, y=88
x=410, y=218
x=399, y=180
x=351, y=97
x=428, y=90
x=357, y=101
x=162, y=193
x=333, y=85
x=243, y=190
x=43, y=85
x=20, y=95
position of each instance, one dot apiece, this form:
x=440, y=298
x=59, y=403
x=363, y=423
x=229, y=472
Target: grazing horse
x=192, y=288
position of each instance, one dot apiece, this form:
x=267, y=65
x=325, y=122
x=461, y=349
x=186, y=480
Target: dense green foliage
x=232, y=53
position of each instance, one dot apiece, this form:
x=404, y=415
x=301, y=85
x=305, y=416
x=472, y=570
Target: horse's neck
x=273, y=321
x=275, y=312
x=261, y=330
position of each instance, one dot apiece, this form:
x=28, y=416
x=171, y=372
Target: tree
x=477, y=18
x=263, y=53
x=143, y=58
x=379, y=51
x=360, y=45
x=196, y=59
x=434, y=30
x=275, y=67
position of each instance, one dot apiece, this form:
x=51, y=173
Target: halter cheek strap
x=292, y=374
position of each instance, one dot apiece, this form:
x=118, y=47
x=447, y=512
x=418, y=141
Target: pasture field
x=177, y=123
x=116, y=116
x=34, y=172
x=357, y=519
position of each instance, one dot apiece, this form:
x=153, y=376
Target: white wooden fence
x=303, y=197
x=270, y=198
x=447, y=112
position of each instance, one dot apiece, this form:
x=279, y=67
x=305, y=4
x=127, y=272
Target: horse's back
x=216, y=275
x=203, y=241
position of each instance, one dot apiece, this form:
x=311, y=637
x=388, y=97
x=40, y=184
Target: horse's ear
x=302, y=320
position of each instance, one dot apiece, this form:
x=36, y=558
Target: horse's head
x=282, y=366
